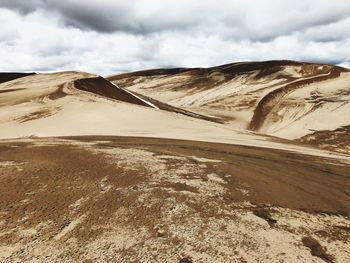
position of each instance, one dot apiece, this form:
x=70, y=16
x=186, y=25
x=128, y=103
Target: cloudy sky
x=109, y=36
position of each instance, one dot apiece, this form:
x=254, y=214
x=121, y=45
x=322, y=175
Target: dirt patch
x=316, y=249
x=337, y=232
x=337, y=140
x=185, y=260
x=264, y=213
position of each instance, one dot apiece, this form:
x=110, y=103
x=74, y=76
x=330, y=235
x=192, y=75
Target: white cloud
x=112, y=36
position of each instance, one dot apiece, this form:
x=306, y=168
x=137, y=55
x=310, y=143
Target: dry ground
x=124, y=199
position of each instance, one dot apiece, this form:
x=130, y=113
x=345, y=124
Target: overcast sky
x=110, y=36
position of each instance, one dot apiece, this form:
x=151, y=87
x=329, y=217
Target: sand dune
x=168, y=172
x=282, y=98
x=105, y=88
x=76, y=103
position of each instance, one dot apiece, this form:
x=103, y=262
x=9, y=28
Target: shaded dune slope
x=202, y=75
x=232, y=69
x=151, y=72
x=105, y=88
x=102, y=87
x=8, y=76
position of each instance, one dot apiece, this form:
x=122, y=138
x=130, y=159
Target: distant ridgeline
x=7, y=76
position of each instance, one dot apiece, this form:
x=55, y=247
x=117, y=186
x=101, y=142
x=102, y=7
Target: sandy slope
x=281, y=98
x=50, y=105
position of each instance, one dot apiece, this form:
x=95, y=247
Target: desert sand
x=286, y=99
x=234, y=163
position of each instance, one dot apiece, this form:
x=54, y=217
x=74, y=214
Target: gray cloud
x=113, y=35
x=249, y=19
x=112, y=16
